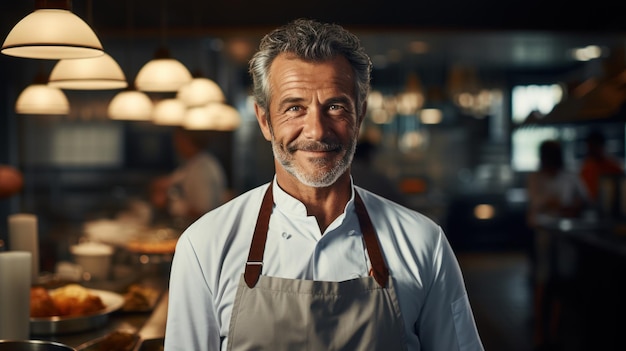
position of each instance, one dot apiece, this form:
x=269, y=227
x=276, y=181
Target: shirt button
x=352, y=232
x=286, y=235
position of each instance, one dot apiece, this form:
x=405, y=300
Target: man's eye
x=294, y=108
x=335, y=107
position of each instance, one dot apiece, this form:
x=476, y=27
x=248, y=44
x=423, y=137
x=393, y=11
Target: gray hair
x=310, y=40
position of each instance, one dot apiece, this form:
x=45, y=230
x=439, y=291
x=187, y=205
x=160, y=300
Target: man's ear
x=261, y=117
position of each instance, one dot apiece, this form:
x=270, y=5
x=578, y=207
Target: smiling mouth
x=315, y=147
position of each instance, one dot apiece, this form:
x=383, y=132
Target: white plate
x=72, y=324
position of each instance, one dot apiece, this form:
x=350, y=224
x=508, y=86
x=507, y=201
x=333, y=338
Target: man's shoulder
x=391, y=210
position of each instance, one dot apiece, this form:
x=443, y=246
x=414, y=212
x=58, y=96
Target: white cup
x=95, y=259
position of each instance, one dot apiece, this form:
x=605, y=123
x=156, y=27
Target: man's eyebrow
x=338, y=99
x=289, y=100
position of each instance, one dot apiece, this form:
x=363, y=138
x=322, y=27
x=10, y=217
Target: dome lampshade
x=130, y=105
x=200, y=91
x=169, y=112
x=162, y=74
x=212, y=116
x=94, y=73
x=52, y=33
x=41, y=99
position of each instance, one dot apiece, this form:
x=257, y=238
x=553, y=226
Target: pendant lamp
x=52, y=31
x=93, y=73
x=130, y=105
x=169, y=112
x=212, y=116
x=200, y=91
x=41, y=99
x=162, y=74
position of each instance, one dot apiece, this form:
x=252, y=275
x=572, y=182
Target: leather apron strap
x=257, y=247
x=254, y=264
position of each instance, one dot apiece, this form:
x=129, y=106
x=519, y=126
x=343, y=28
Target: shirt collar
x=294, y=207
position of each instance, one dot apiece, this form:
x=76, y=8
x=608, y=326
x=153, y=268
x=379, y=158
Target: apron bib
x=271, y=313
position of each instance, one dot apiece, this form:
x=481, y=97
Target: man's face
x=312, y=124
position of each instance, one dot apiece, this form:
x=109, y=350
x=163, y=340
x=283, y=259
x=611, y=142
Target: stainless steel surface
x=155, y=326
x=152, y=345
x=33, y=345
x=72, y=324
x=125, y=340
x=152, y=334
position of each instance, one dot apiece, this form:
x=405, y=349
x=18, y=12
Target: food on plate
x=41, y=304
x=139, y=298
x=165, y=246
x=70, y=300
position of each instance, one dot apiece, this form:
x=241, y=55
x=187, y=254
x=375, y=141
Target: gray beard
x=316, y=179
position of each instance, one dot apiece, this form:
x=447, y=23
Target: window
x=525, y=141
x=525, y=146
x=82, y=144
x=528, y=98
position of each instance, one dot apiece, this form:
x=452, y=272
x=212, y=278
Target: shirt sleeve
x=191, y=317
x=447, y=322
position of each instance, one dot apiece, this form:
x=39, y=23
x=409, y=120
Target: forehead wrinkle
x=296, y=84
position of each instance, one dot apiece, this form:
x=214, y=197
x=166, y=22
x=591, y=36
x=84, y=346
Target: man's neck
x=324, y=203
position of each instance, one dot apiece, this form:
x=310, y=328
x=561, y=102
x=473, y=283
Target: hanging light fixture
x=130, y=105
x=94, y=73
x=52, y=31
x=162, y=74
x=212, y=116
x=200, y=91
x=41, y=99
x=169, y=112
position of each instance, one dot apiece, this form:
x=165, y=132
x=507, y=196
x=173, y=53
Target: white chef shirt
x=211, y=255
x=200, y=184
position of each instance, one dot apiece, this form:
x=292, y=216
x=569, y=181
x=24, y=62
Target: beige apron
x=276, y=314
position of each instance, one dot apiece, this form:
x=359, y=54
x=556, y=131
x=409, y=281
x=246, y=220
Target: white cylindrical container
x=15, y=283
x=95, y=259
x=23, y=236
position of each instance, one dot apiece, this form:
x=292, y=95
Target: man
x=309, y=261
x=197, y=186
x=553, y=192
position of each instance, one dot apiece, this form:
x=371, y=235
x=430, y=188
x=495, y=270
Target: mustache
x=316, y=146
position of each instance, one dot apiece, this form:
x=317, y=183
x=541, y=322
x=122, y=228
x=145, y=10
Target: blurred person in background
x=553, y=193
x=310, y=261
x=197, y=186
x=597, y=163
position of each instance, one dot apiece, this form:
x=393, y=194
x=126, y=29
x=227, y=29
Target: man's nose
x=315, y=124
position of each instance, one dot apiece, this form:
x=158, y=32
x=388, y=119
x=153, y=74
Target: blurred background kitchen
x=463, y=94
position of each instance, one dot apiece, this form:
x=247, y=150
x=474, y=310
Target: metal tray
x=65, y=325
